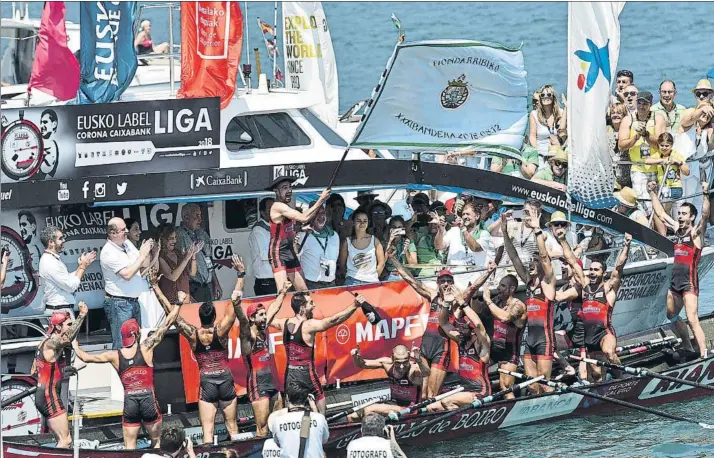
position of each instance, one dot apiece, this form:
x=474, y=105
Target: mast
x=568, y=117
x=275, y=38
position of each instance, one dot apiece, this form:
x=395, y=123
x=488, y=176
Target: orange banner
x=403, y=311
x=211, y=40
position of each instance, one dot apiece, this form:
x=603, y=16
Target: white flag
x=593, y=50
x=309, y=57
x=442, y=95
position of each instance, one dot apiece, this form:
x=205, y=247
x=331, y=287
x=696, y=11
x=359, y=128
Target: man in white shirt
x=555, y=250
x=259, y=243
x=285, y=425
x=467, y=242
x=59, y=284
x=374, y=440
x=121, y=262
x=318, y=249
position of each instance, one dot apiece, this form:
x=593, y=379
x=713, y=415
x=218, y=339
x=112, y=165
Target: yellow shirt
x=641, y=150
x=674, y=178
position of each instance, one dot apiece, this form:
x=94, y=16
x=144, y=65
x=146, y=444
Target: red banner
x=404, y=315
x=211, y=40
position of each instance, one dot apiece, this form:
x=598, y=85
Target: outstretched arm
x=659, y=209
x=533, y=221
x=58, y=346
x=573, y=262
x=421, y=289
x=155, y=339
x=509, y=314
x=186, y=329
x=702, y=226
x=480, y=281
x=331, y=321
x=274, y=308
x=616, y=276
x=226, y=323
x=281, y=209
x=361, y=363
x=246, y=337
x=511, y=250
x=105, y=357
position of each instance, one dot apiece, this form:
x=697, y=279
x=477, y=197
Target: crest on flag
x=455, y=94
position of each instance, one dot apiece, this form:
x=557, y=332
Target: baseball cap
x=129, y=330
x=56, y=320
x=253, y=309
x=445, y=273
x=646, y=96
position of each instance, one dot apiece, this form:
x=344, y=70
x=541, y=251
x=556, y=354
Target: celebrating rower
x=540, y=296
x=135, y=364
x=255, y=349
x=684, y=288
x=299, y=340
x=405, y=372
x=210, y=349
x=49, y=365
x=435, y=345
x=281, y=253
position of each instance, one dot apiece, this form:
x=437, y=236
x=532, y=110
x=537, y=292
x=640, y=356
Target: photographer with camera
x=377, y=439
x=174, y=444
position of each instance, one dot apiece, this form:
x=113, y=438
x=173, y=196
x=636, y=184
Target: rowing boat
x=642, y=390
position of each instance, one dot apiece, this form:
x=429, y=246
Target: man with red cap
x=135, y=364
x=49, y=365
x=255, y=349
x=210, y=349
x=435, y=345
x=281, y=254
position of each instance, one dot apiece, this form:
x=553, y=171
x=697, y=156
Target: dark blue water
x=659, y=41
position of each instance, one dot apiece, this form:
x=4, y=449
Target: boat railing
x=172, y=54
x=31, y=321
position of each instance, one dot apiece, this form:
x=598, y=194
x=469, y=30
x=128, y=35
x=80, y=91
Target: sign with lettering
x=77, y=141
x=531, y=410
x=701, y=372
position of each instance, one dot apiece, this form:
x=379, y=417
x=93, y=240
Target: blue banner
x=107, y=54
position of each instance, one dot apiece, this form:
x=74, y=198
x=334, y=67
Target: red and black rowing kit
x=301, y=362
x=140, y=403
x=262, y=372
x=216, y=378
x=540, y=340
x=506, y=342
x=49, y=380
x=435, y=346
x=597, y=317
x=473, y=372
x=403, y=392
x=281, y=252
x=685, y=273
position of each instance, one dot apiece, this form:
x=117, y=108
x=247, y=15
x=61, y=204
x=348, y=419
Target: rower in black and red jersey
x=435, y=345
x=262, y=372
x=405, y=373
x=210, y=349
x=281, y=252
x=509, y=322
x=299, y=340
x=540, y=297
x=135, y=364
x=49, y=365
x=684, y=287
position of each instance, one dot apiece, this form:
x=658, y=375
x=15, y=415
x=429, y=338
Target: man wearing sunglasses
x=405, y=371
x=629, y=96
x=623, y=79
x=556, y=174
x=666, y=106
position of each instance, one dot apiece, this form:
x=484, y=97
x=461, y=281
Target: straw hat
x=559, y=154
x=627, y=197
x=704, y=84
x=557, y=217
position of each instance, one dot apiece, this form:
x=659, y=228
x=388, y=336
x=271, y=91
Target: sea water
x=665, y=40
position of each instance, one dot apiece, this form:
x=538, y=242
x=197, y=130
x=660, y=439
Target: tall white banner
x=309, y=57
x=442, y=95
x=593, y=51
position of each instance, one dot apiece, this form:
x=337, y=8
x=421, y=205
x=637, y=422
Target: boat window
x=240, y=214
x=332, y=137
x=270, y=130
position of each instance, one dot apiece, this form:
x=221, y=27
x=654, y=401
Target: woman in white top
x=361, y=255
x=546, y=122
x=698, y=125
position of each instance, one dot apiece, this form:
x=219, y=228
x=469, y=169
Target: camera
x=400, y=231
x=450, y=219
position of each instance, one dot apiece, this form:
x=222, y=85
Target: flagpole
x=567, y=120
x=275, y=38
x=247, y=44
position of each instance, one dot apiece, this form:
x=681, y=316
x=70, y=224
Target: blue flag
x=107, y=56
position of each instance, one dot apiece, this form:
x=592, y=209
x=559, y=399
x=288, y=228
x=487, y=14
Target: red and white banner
x=404, y=316
x=211, y=40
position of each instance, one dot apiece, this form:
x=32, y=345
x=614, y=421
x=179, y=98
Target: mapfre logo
x=342, y=334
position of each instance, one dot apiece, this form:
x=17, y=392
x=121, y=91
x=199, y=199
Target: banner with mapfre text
x=76, y=141
x=404, y=316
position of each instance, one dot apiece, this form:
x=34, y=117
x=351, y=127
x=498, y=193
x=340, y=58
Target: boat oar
x=644, y=372
x=474, y=405
x=18, y=396
x=619, y=402
x=344, y=413
x=653, y=346
x=644, y=343
x=394, y=416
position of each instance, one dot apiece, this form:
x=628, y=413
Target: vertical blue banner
x=107, y=55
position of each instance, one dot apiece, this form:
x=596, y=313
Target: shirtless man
x=262, y=374
x=540, y=297
x=49, y=366
x=405, y=372
x=210, y=349
x=135, y=364
x=684, y=287
x=281, y=252
x=299, y=340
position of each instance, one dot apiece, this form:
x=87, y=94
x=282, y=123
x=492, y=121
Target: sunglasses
x=702, y=94
x=446, y=281
x=560, y=164
x=547, y=95
x=379, y=212
x=630, y=94
x=559, y=224
x=618, y=117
